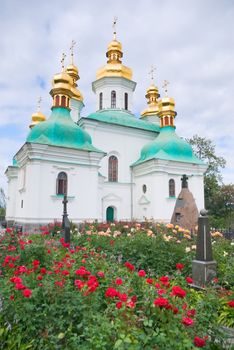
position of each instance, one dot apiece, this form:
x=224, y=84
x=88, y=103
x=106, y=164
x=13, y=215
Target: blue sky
x=190, y=42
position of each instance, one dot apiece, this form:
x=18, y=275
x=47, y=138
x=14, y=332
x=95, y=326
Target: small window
x=144, y=188
x=100, y=100
x=63, y=101
x=171, y=188
x=22, y=203
x=113, y=99
x=126, y=101
x=57, y=100
x=177, y=217
x=62, y=183
x=113, y=169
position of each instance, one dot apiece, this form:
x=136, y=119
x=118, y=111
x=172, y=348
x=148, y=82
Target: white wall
x=119, y=85
x=40, y=202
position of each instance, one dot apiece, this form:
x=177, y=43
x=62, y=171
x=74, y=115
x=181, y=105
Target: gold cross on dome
x=114, y=27
x=73, y=43
x=164, y=86
x=151, y=73
x=62, y=60
x=39, y=104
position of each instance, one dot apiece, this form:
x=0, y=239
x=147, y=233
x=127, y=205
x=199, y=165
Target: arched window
x=57, y=100
x=126, y=101
x=63, y=101
x=113, y=169
x=113, y=99
x=171, y=188
x=100, y=100
x=61, y=183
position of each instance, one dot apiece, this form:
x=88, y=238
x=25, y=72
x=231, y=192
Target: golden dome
x=61, y=84
x=76, y=94
x=37, y=117
x=167, y=111
x=114, y=66
x=72, y=70
x=114, y=45
x=167, y=106
x=152, y=96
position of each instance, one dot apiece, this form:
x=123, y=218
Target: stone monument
x=204, y=267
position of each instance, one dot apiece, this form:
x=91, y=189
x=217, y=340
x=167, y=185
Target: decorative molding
x=143, y=200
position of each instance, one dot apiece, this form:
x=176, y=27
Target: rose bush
x=80, y=296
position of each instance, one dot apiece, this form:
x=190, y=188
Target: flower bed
x=88, y=295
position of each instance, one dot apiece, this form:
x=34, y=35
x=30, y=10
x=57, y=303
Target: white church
x=112, y=164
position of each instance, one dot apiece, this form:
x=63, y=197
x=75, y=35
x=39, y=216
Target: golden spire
x=73, y=43
x=62, y=60
x=164, y=86
x=61, y=87
x=152, y=96
x=166, y=106
x=151, y=73
x=37, y=117
x=114, y=27
x=72, y=70
x=114, y=54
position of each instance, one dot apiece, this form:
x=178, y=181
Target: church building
x=112, y=164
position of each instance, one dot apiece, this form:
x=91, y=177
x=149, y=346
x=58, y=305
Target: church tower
x=114, y=86
x=76, y=102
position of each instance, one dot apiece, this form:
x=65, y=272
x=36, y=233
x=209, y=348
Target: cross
x=39, y=104
x=184, y=180
x=114, y=26
x=62, y=60
x=165, y=85
x=151, y=72
x=73, y=43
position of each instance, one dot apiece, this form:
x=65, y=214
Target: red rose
x=231, y=303
x=123, y=297
x=129, y=266
x=150, y=280
x=179, y=266
x=119, y=304
x=101, y=274
x=141, y=273
x=199, y=342
x=118, y=281
x=189, y=280
x=130, y=304
x=161, y=302
x=27, y=293
x=191, y=312
x=187, y=321
x=79, y=284
x=178, y=292
x=111, y=293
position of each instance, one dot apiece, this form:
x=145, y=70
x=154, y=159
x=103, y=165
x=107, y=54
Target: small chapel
x=112, y=165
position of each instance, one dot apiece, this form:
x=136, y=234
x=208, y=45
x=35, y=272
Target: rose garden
x=114, y=286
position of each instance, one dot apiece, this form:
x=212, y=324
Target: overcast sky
x=191, y=42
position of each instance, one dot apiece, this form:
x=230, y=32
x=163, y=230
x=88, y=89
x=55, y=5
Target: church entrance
x=110, y=214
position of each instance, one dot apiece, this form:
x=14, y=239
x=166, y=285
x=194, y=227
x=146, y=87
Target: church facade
x=111, y=164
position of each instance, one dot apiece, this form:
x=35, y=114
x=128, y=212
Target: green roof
x=168, y=146
x=60, y=130
x=122, y=118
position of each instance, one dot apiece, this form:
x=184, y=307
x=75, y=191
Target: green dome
x=60, y=130
x=168, y=146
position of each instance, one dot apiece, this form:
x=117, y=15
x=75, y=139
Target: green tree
x=2, y=203
x=205, y=150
